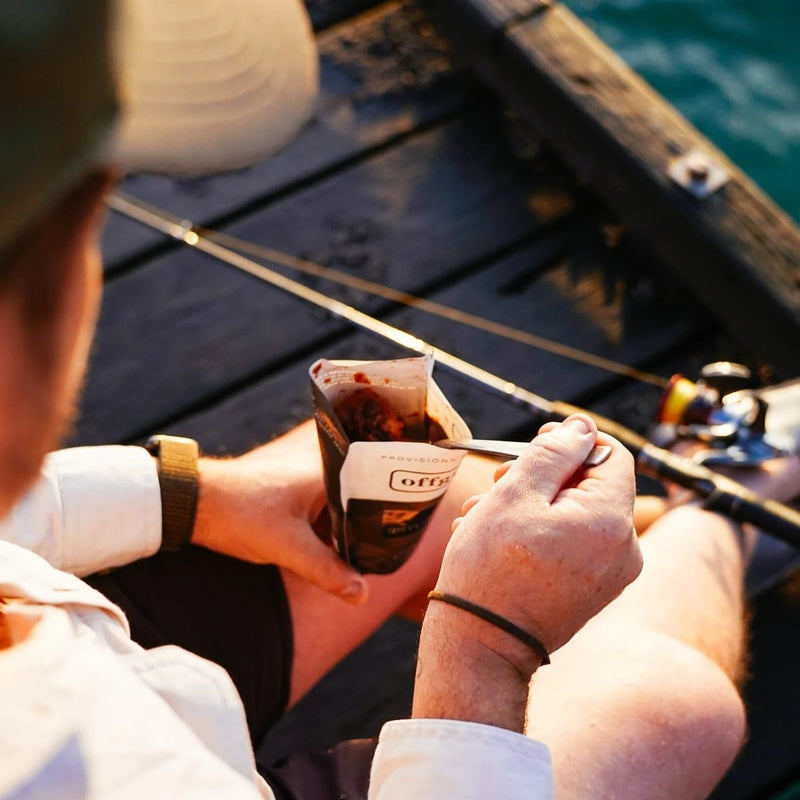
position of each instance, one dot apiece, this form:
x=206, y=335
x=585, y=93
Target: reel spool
x=740, y=425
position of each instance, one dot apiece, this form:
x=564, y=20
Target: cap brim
x=203, y=86
x=210, y=85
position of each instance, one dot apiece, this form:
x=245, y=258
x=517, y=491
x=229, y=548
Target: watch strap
x=178, y=483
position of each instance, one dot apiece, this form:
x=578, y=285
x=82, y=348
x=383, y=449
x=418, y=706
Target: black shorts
x=237, y=615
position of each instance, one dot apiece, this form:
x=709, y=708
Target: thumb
x=319, y=564
x=556, y=454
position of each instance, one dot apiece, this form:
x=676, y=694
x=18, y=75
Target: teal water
x=732, y=67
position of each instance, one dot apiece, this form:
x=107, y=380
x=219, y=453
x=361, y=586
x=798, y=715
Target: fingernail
x=353, y=590
x=578, y=424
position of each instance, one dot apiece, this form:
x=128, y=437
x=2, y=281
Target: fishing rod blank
x=721, y=494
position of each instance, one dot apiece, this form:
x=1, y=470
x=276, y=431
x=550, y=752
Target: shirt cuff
x=111, y=506
x=429, y=758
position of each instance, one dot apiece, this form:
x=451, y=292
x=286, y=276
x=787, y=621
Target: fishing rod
x=720, y=493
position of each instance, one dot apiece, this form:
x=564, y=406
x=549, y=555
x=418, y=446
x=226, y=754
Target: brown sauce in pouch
x=367, y=417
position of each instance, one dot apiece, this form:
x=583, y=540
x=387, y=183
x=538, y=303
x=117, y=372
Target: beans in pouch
x=383, y=478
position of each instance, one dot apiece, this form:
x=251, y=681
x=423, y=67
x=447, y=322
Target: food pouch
x=384, y=480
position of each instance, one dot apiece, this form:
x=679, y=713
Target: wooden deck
x=415, y=176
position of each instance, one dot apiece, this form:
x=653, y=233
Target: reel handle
x=722, y=494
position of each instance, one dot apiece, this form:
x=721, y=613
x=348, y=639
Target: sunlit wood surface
x=415, y=176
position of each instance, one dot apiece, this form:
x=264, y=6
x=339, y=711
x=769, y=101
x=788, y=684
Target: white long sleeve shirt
x=87, y=713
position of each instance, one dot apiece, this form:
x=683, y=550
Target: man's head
x=49, y=297
x=91, y=87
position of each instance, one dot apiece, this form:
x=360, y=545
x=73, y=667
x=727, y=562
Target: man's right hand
x=547, y=547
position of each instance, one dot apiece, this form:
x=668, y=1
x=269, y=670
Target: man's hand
x=550, y=544
x=547, y=548
x=259, y=507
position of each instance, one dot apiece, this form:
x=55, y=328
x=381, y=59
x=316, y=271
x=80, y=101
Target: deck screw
x=697, y=167
x=698, y=173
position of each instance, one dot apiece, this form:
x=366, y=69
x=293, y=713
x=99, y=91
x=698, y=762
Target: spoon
x=497, y=447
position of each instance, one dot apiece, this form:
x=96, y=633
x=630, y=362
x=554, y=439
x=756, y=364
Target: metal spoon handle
x=498, y=447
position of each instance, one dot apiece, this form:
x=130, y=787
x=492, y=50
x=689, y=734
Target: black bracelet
x=496, y=620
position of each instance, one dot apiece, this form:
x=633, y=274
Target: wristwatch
x=177, y=480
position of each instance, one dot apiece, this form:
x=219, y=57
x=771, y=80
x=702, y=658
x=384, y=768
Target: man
x=88, y=713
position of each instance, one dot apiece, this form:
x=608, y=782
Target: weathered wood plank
x=383, y=76
x=268, y=407
x=411, y=217
x=618, y=133
x=532, y=289
x=569, y=304
x=478, y=23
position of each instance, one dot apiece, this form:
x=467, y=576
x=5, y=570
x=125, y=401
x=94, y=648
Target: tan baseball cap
x=178, y=86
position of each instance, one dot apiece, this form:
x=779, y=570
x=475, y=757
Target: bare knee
x=654, y=720
x=691, y=725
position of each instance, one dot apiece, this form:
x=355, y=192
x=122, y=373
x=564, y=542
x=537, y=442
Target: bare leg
x=647, y=510
x=642, y=702
x=326, y=629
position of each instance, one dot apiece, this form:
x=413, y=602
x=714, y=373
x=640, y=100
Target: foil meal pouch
x=382, y=476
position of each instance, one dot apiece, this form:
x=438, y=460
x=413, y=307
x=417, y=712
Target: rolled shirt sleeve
x=431, y=759
x=92, y=508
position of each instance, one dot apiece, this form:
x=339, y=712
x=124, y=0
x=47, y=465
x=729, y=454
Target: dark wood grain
x=478, y=25
x=534, y=289
x=412, y=217
x=619, y=134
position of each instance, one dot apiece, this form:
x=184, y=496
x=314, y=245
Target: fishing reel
x=738, y=424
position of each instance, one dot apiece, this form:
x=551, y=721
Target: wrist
x=468, y=670
x=213, y=476
x=226, y=510
x=495, y=620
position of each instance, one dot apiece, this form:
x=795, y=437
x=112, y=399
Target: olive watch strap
x=177, y=480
